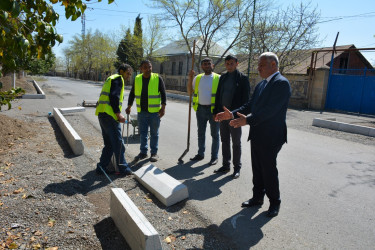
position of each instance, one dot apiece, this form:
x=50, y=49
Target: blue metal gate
x=351, y=91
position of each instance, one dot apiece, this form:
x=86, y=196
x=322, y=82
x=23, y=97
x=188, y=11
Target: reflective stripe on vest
x=154, y=99
x=104, y=105
x=215, y=83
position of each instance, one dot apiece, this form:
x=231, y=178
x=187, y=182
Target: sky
x=354, y=20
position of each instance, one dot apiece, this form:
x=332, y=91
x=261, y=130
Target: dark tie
x=262, y=86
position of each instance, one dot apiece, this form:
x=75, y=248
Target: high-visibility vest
x=215, y=83
x=104, y=106
x=154, y=100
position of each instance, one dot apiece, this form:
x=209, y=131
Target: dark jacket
x=267, y=112
x=241, y=94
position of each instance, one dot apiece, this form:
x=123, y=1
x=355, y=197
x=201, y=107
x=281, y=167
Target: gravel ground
x=50, y=199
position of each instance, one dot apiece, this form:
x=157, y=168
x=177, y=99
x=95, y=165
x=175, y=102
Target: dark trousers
x=113, y=143
x=265, y=174
x=226, y=132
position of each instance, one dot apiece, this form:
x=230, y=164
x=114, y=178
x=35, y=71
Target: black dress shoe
x=213, y=162
x=273, y=210
x=252, y=202
x=236, y=174
x=222, y=170
x=197, y=158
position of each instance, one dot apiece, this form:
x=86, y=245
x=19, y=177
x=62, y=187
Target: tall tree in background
x=92, y=55
x=138, y=42
x=124, y=50
x=154, y=37
x=287, y=32
x=211, y=21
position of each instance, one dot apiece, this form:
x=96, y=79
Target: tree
x=138, y=42
x=124, y=50
x=286, y=32
x=27, y=29
x=92, y=54
x=41, y=66
x=130, y=48
x=154, y=36
x=213, y=20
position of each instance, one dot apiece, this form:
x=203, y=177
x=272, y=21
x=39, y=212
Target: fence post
x=363, y=87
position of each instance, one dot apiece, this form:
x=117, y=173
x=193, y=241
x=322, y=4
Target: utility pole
x=83, y=21
x=251, y=41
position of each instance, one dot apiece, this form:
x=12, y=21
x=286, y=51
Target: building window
x=180, y=64
x=161, y=68
x=173, y=68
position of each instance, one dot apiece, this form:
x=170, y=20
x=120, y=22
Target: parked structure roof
x=302, y=64
x=179, y=48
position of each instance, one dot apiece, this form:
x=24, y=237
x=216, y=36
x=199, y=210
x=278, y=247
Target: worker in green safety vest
x=149, y=94
x=109, y=114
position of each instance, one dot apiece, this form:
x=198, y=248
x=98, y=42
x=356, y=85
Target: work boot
x=154, y=158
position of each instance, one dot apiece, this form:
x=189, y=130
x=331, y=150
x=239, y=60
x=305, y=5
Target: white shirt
x=204, y=89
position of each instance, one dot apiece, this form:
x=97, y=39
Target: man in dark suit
x=266, y=115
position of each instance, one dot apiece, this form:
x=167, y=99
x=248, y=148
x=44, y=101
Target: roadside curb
x=40, y=95
x=341, y=126
x=167, y=189
x=133, y=225
x=70, y=134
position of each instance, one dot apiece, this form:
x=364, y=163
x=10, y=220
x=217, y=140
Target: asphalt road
x=327, y=179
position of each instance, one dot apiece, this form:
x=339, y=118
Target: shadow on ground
x=109, y=236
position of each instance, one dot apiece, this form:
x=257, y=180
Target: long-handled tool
x=127, y=130
x=119, y=155
x=189, y=119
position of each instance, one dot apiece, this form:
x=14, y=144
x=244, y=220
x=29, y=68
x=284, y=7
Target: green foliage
x=41, y=66
x=130, y=49
x=27, y=29
x=124, y=50
x=93, y=53
x=7, y=96
x=138, y=41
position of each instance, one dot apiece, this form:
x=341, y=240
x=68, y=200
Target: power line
x=362, y=15
x=121, y=11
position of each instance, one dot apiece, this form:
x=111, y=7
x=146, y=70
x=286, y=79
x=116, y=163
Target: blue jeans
x=111, y=131
x=148, y=120
x=204, y=115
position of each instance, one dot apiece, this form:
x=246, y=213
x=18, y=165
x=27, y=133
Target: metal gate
x=352, y=91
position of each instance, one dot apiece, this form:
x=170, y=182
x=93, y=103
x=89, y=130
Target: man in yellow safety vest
x=204, y=87
x=109, y=114
x=149, y=92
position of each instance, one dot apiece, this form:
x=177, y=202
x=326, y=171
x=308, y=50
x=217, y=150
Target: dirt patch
x=40, y=206
x=21, y=82
x=51, y=198
x=13, y=130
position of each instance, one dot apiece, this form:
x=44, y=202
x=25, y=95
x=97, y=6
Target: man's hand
x=226, y=115
x=239, y=122
x=162, y=111
x=120, y=117
x=128, y=110
x=190, y=82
